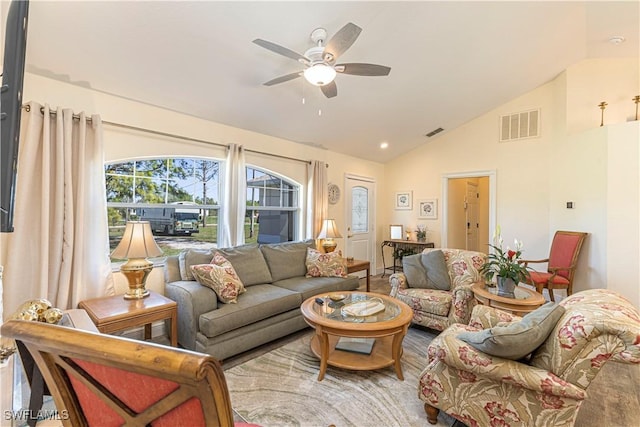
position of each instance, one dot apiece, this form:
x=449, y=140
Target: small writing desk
x=409, y=245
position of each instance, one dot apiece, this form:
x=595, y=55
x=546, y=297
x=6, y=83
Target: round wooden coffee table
x=386, y=329
x=524, y=302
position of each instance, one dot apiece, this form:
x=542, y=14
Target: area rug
x=281, y=389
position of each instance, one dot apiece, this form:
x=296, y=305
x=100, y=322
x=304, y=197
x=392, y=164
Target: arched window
x=178, y=196
x=273, y=207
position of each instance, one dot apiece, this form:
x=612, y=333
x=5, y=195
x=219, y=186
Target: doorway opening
x=468, y=210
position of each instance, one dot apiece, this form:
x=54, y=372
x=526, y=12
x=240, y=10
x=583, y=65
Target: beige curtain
x=235, y=199
x=317, y=197
x=60, y=247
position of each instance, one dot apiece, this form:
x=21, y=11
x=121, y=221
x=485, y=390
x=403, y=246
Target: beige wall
x=599, y=165
x=522, y=192
x=121, y=143
x=573, y=160
x=595, y=80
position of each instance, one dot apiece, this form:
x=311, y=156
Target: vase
x=506, y=287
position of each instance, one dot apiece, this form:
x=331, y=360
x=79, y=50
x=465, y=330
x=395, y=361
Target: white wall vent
x=520, y=125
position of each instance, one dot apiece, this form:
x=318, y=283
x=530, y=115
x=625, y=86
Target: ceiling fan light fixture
x=320, y=74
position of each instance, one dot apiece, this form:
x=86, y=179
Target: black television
x=15, y=47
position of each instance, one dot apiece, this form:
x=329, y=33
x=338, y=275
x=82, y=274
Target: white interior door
x=360, y=219
x=471, y=209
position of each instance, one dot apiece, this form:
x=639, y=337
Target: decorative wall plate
x=334, y=194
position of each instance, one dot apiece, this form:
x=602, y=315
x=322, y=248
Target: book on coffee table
x=356, y=345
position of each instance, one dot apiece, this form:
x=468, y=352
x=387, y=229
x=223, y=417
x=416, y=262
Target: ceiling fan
x=320, y=61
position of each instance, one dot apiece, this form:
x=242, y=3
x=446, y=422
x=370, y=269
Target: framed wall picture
x=404, y=200
x=428, y=209
x=395, y=232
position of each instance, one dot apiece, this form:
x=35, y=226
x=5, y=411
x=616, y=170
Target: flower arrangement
x=421, y=232
x=504, y=263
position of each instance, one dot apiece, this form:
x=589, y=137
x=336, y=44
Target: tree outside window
x=180, y=197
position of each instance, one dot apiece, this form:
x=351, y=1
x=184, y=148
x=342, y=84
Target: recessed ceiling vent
x=434, y=132
x=520, y=125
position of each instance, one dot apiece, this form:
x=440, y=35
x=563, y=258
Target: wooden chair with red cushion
x=104, y=380
x=561, y=264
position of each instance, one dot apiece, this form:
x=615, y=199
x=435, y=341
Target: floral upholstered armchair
x=547, y=389
x=437, y=309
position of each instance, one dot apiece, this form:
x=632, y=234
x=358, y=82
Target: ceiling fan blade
x=358, y=69
x=341, y=41
x=281, y=50
x=330, y=90
x=283, y=79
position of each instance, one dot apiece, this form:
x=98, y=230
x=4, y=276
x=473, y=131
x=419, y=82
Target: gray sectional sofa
x=276, y=286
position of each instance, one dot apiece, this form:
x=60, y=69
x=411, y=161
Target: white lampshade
x=137, y=242
x=329, y=230
x=320, y=74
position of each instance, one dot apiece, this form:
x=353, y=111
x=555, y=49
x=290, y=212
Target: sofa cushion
x=192, y=257
x=432, y=301
x=312, y=286
x=221, y=277
x=427, y=270
x=257, y=303
x=414, y=271
x=325, y=265
x=172, y=269
x=517, y=339
x=249, y=263
x=287, y=259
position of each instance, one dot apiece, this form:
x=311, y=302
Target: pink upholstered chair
x=562, y=261
x=104, y=380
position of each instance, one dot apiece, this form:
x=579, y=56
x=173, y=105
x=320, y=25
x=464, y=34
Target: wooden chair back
x=104, y=380
x=564, y=252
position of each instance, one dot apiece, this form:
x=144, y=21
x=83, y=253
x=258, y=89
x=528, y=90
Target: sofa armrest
x=460, y=355
x=462, y=303
x=485, y=317
x=193, y=300
x=399, y=280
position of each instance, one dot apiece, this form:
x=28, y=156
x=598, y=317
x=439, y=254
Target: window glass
x=272, y=208
x=179, y=196
x=360, y=209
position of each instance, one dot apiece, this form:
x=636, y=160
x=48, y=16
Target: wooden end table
x=387, y=328
x=359, y=265
x=114, y=313
x=525, y=300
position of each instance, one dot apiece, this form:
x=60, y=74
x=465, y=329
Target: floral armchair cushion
x=480, y=389
x=437, y=309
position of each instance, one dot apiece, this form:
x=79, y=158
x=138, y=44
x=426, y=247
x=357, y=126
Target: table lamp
x=328, y=233
x=136, y=246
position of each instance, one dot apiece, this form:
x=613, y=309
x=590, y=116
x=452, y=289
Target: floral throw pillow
x=325, y=265
x=221, y=277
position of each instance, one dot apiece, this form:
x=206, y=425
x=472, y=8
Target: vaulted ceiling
x=450, y=61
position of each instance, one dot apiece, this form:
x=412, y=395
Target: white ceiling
x=450, y=61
